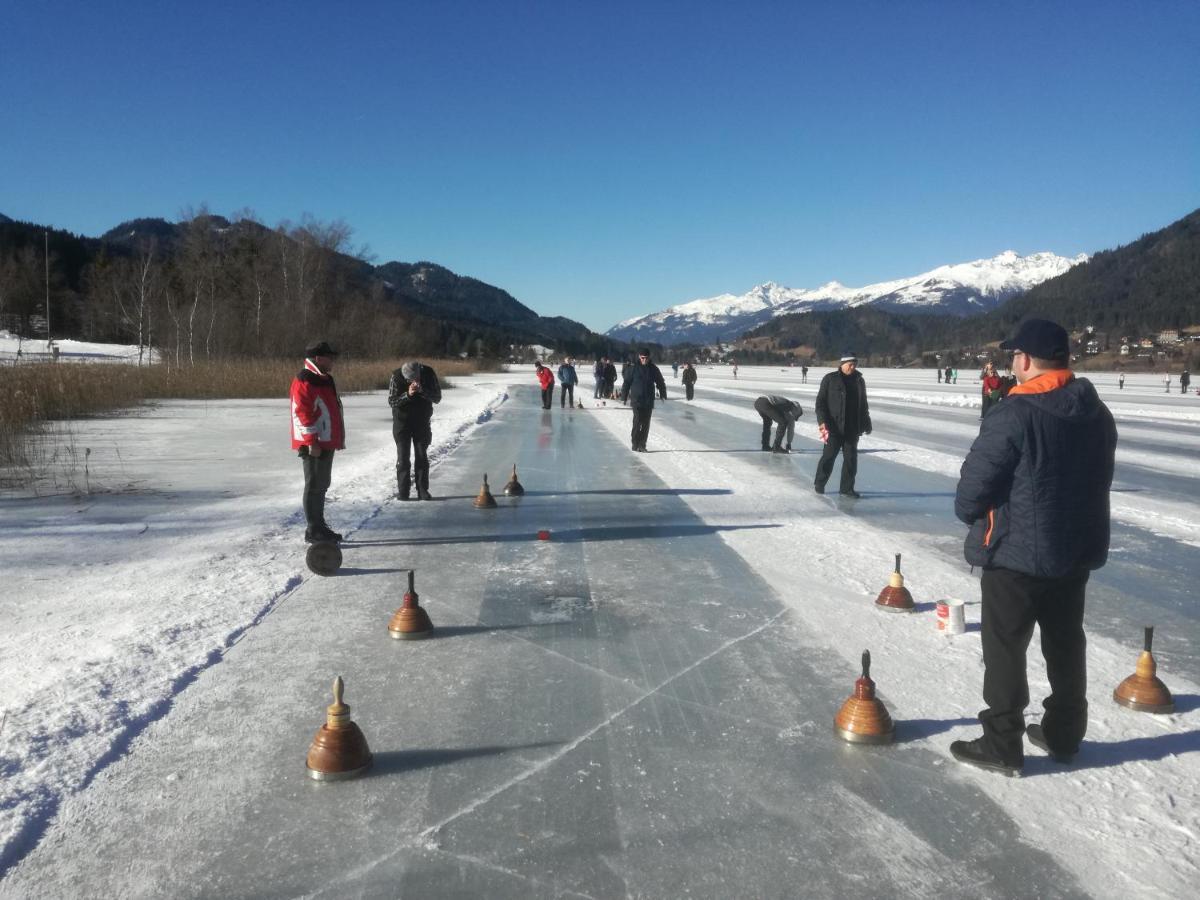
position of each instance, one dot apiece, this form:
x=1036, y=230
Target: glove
x=824, y=433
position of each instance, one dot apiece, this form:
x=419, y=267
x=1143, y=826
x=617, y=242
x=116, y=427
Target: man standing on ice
x=412, y=393
x=638, y=392
x=568, y=378
x=842, y=417
x=784, y=413
x=318, y=430
x=1034, y=489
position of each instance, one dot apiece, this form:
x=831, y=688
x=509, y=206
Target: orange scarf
x=1044, y=383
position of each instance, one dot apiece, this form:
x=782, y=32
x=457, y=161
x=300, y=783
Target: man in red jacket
x=318, y=430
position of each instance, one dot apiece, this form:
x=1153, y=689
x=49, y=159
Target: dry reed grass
x=32, y=395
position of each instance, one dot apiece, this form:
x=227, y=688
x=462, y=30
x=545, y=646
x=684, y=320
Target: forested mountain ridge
x=210, y=287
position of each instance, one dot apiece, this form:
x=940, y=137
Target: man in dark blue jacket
x=1034, y=489
x=638, y=391
x=568, y=378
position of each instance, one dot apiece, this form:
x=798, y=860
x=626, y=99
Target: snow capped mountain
x=961, y=289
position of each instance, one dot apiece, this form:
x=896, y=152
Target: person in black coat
x=638, y=391
x=1034, y=490
x=610, y=378
x=689, y=380
x=412, y=393
x=842, y=417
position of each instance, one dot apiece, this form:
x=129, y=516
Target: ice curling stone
x=514, y=488
x=411, y=622
x=863, y=719
x=485, y=500
x=579, y=405
x=895, y=597
x=324, y=557
x=339, y=750
x=1142, y=690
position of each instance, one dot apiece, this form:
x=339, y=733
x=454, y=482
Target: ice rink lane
x=1148, y=579
x=626, y=710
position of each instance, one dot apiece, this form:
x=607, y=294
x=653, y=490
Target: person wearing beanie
x=1034, y=491
x=412, y=393
x=318, y=431
x=842, y=417
x=638, y=391
x=784, y=413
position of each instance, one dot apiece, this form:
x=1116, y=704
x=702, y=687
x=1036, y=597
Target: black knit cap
x=1041, y=339
x=321, y=349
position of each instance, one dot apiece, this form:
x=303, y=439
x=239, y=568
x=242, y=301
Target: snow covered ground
x=171, y=602
x=68, y=350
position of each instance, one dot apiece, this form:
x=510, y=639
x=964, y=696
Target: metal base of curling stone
x=410, y=635
x=324, y=557
x=854, y=737
x=338, y=776
x=895, y=609
x=1145, y=707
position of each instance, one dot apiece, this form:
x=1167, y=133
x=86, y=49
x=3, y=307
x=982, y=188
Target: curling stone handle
x=338, y=687
x=1149, y=638
x=866, y=664
x=897, y=562
x=411, y=575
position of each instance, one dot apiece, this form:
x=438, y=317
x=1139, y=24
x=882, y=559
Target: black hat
x=1041, y=339
x=644, y=351
x=321, y=349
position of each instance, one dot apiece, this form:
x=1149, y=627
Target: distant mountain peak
x=958, y=289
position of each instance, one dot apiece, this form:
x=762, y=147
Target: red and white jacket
x=316, y=410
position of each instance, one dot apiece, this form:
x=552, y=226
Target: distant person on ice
x=1121, y=381
x=318, y=430
x=638, y=391
x=1185, y=378
x=689, y=380
x=546, y=380
x=804, y=374
x=1167, y=382
x=1034, y=489
x=949, y=374
x=842, y=417
x=784, y=413
x=598, y=378
x=412, y=393
x=610, y=378
x=568, y=379
x=675, y=370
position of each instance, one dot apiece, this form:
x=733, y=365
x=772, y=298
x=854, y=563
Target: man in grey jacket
x=1034, y=489
x=412, y=393
x=784, y=413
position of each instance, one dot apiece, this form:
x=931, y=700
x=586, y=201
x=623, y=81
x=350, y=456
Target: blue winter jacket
x=1034, y=487
x=566, y=374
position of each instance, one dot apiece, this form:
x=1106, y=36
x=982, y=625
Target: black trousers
x=848, y=447
x=412, y=455
x=318, y=472
x=1012, y=604
x=568, y=390
x=547, y=397
x=641, y=426
x=770, y=414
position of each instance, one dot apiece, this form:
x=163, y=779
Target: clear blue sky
x=602, y=160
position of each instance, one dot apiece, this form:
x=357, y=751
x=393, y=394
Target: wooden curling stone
x=863, y=719
x=485, y=500
x=324, y=557
x=339, y=750
x=1143, y=691
x=895, y=597
x=514, y=488
x=411, y=622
